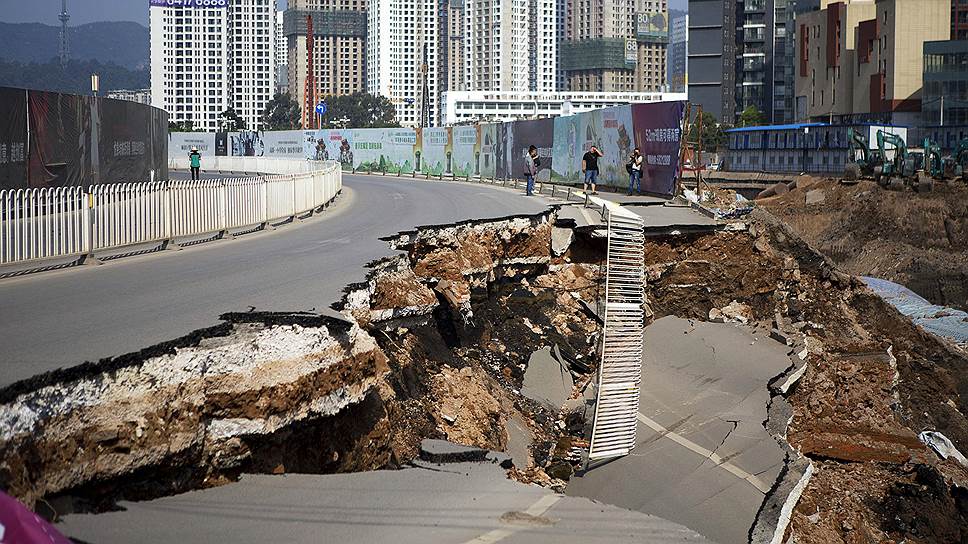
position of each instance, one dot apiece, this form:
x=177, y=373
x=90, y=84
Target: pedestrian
x=196, y=163
x=589, y=166
x=531, y=164
x=634, y=168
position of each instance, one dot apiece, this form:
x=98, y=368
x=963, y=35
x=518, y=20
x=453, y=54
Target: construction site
x=569, y=367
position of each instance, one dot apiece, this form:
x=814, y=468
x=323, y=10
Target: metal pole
x=942, y=110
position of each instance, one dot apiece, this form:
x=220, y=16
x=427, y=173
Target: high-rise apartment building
x=616, y=45
x=206, y=60
x=402, y=55
x=737, y=57
x=339, y=47
x=450, y=56
x=864, y=59
x=282, y=55
x=678, y=41
x=510, y=45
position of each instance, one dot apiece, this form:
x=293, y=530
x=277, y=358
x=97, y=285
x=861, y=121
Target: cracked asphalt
x=703, y=457
x=66, y=317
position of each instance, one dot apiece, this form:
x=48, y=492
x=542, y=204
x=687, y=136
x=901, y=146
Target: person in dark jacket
x=531, y=167
x=195, y=159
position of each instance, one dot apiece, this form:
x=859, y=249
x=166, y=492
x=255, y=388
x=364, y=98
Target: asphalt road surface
x=702, y=458
x=465, y=503
x=61, y=318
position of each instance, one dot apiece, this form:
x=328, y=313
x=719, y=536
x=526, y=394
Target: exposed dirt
x=919, y=240
x=873, y=381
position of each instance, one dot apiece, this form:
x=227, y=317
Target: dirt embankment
x=871, y=383
x=919, y=240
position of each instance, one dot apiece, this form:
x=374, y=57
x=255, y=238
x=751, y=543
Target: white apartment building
x=401, y=57
x=485, y=106
x=205, y=60
x=141, y=96
x=510, y=45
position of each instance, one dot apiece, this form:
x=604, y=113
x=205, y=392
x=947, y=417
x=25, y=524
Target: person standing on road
x=195, y=159
x=634, y=167
x=589, y=166
x=531, y=164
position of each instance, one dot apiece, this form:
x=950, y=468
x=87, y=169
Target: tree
x=184, y=126
x=281, y=113
x=751, y=117
x=363, y=110
x=230, y=121
x=713, y=136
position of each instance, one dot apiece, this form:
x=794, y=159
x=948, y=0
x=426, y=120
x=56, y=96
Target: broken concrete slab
x=547, y=380
x=442, y=452
x=561, y=240
x=520, y=439
x=943, y=446
x=464, y=502
x=702, y=446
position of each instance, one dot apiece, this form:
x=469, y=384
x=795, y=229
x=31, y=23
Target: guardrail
x=620, y=372
x=64, y=222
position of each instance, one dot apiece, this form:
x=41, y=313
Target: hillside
x=76, y=79
x=121, y=43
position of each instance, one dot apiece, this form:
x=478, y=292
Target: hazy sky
x=86, y=11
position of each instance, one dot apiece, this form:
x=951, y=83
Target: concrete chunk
x=547, y=380
x=441, y=451
x=816, y=196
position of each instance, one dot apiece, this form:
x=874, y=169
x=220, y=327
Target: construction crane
x=64, y=50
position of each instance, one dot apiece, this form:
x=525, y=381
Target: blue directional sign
x=321, y=108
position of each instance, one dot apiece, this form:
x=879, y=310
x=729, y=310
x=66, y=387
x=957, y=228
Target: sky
x=88, y=11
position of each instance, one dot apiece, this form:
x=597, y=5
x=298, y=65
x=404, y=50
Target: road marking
x=539, y=508
x=712, y=456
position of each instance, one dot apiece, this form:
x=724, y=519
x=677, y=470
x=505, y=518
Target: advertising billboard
x=652, y=26
x=609, y=129
x=631, y=52
x=200, y=4
x=658, y=134
x=13, y=138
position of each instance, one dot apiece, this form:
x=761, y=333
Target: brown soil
x=919, y=240
x=858, y=409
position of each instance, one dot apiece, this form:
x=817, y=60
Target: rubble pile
x=868, y=382
x=503, y=296
x=919, y=240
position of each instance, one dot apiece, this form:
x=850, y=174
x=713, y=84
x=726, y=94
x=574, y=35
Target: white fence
x=40, y=224
x=620, y=371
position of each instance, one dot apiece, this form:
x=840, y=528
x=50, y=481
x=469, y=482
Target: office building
x=959, y=20
x=339, y=47
x=488, y=106
x=402, y=55
x=678, y=42
x=616, y=45
x=206, y=60
x=944, y=101
x=510, y=45
x=729, y=70
x=863, y=59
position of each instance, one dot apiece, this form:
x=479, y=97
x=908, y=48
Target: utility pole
x=64, y=50
x=942, y=110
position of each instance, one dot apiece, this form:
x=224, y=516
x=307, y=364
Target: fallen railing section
x=620, y=371
x=64, y=222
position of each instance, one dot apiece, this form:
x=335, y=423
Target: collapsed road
x=64, y=317
x=443, y=341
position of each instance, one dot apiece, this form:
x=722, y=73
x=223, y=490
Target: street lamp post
x=95, y=83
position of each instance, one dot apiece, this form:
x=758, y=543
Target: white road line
x=540, y=506
x=712, y=456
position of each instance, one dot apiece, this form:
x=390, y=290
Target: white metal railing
x=620, y=372
x=39, y=224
